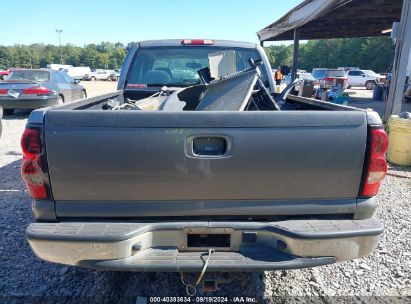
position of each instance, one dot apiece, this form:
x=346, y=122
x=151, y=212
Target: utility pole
x=61, y=53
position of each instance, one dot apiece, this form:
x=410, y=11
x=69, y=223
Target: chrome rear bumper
x=164, y=246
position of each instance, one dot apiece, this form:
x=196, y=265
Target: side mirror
x=76, y=81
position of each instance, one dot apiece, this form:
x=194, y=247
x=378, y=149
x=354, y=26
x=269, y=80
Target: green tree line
x=103, y=55
x=366, y=53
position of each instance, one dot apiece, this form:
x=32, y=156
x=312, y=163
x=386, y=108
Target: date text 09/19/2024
x=203, y=299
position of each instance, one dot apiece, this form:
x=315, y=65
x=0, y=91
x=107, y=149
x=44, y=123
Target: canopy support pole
x=295, y=53
x=399, y=69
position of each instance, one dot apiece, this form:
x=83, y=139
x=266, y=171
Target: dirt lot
x=25, y=279
x=95, y=88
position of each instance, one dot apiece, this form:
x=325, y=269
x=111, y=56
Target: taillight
x=330, y=81
x=197, y=42
x=33, y=176
x=32, y=166
x=377, y=165
x=37, y=91
x=31, y=143
x=3, y=91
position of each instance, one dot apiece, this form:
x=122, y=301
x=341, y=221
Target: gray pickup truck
x=262, y=188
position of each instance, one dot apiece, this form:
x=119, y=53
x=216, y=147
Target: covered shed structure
x=327, y=19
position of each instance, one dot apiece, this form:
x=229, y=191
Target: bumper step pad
x=249, y=259
x=111, y=232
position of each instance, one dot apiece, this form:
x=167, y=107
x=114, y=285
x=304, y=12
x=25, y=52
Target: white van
x=58, y=67
x=78, y=72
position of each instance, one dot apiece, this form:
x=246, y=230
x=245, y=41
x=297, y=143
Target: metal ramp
x=229, y=94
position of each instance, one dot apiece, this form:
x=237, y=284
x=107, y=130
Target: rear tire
x=8, y=111
x=93, y=78
x=369, y=85
x=83, y=95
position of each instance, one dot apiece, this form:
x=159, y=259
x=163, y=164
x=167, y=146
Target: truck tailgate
x=134, y=163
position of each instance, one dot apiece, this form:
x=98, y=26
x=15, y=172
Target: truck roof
x=177, y=42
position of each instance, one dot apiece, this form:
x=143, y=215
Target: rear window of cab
x=178, y=66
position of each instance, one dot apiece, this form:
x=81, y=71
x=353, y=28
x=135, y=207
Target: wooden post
x=295, y=53
x=399, y=69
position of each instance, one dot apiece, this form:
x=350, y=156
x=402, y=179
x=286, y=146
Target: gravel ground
x=24, y=278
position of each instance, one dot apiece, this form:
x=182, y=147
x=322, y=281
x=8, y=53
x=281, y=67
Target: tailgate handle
x=209, y=146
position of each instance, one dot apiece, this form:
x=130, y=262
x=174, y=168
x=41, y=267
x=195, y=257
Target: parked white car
x=99, y=75
x=78, y=72
x=364, y=78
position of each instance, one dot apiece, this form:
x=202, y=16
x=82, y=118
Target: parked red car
x=329, y=78
x=5, y=73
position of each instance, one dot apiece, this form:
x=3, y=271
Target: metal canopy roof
x=325, y=19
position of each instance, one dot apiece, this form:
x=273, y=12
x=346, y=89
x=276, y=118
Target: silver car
x=33, y=89
x=99, y=74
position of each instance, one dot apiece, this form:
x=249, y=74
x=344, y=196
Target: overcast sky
x=93, y=21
